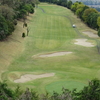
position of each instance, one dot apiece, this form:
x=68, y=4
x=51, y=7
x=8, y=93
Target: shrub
x=11, y=27
x=25, y=24
x=15, y=22
x=23, y=35
x=32, y=10
x=99, y=32
x=3, y=28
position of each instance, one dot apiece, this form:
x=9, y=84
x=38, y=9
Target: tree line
x=88, y=15
x=11, y=11
x=89, y=92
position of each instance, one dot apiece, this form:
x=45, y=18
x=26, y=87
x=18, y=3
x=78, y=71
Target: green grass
x=51, y=32
x=57, y=86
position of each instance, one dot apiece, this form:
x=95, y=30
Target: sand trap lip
x=91, y=34
x=29, y=77
x=55, y=54
x=83, y=42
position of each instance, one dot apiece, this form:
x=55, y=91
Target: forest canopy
x=11, y=11
x=90, y=92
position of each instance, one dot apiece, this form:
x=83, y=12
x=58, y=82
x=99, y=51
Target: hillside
x=54, y=54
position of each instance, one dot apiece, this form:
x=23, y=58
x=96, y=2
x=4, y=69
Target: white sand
x=83, y=42
x=91, y=34
x=55, y=54
x=29, y=77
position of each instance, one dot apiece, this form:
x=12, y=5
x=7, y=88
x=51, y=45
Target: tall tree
x=87, y=12
x=7, y=12
x=98, y=21
x=80, y=10
x=92, y=20
x=3, y=28
x=69, y=4
x=7, y=2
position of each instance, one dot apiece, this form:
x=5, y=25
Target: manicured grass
x=52, y=32
x=58, y=86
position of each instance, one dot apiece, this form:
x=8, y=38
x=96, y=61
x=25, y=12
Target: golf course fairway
x=53, y=55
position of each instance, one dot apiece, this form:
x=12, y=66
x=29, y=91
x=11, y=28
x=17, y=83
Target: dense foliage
x=11, y=11
x=90, y=92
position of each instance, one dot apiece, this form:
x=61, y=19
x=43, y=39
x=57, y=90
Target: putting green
x=57, y=86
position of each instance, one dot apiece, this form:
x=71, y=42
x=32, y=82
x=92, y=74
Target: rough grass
x=50, y=32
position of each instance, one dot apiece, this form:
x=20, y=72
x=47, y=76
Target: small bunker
x=74, y=26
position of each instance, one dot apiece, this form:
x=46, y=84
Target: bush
x=23, y=35
x=33, y=4
x=32, y=10
x=25, y=24
x=11, y=27
x=3, y=28
x=15, y=22
x=90, y=92
x=99, y=32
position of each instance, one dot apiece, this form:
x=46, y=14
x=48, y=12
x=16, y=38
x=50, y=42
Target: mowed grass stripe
x=53, y=33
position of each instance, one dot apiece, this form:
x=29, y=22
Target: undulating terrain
x=53, y=55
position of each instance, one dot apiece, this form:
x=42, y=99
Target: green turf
x=52, y=32
x=58, y=86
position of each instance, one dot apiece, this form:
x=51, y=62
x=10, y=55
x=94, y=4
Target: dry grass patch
x=13, y=46
x=91, y=34
x=83, y=42
x=29, y=77
x=53, y=54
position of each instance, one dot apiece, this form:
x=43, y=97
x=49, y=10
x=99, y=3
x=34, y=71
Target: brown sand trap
x=91, y=34
x=83, y=42
x=29, y=77
x=55, y=54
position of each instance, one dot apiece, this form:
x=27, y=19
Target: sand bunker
x=55, y=54
x=91, y=34
x=29, y=77
x=83, y=42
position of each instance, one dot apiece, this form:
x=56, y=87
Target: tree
x=92, y=20
x=84, y=8
x=69, y=4
x=98, y=21
x=11, y=27
x=99, y=32
x=87, y=12
x=3, y=28
x=74, y=6
x=5, y=92
x=10, y=3
x=7, y=12
x=90, y=92
x=80, y=10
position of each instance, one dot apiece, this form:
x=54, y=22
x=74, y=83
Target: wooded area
x=11, y=11
x=90, y=92
x=88, y=15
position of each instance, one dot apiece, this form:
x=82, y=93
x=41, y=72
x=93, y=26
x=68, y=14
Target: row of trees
x=88, y=15
x=11, y=11
x=90, y=92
